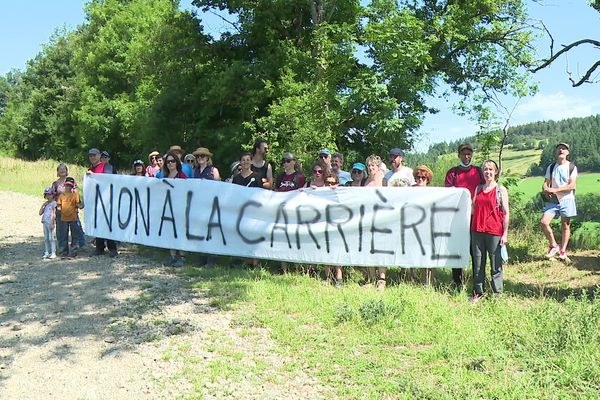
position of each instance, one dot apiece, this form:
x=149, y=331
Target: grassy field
x=586, y=183
x=32, y=177
x=541, y=339
x=517, y=162
x=412, y=342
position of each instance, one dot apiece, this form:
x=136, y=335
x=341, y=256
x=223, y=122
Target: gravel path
x=124, y=328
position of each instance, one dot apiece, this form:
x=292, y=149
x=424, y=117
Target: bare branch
x=585, y=77
x=564, y=50
x=235, y=26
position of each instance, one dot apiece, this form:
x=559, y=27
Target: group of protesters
x=489, y=220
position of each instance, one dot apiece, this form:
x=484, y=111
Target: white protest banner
x=408, y=227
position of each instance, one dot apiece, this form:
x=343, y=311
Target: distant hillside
x=530, y=147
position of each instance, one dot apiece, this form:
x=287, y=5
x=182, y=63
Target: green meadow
x=586, y=183
x=540, y=339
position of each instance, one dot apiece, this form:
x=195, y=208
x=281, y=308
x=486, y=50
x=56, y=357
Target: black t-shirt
x=261, y=172
x=251, y=180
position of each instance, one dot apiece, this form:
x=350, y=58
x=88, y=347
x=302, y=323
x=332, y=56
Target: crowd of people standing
x=489, y=220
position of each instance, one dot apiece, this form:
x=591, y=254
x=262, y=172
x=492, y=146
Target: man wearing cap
x=559, y=185
x=187, y=169
x=325, y=155
x=468, y=176
x=260, y=165
x=399, y=175
x=105, y=158
x=337, y=163
x=99, y=167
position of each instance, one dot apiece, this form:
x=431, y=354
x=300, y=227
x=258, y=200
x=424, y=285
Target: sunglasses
x=317, y=171
x=286, y=160
x=420, y=178
x=330, y=182
x=189, y=161
x=323, y=156
x=153, y=158
x=201, y=156
x=171, y=161
x=357, y=171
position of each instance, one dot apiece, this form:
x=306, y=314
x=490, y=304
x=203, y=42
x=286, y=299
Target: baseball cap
x=396, y=152
x=48, y=190
x=465, y=146
x=138, y=162
x=359, y=166
x=564, y=144
x=325, y=152
x=105, y=154
x=69, y=181
x=234, y=166
x=94, y=151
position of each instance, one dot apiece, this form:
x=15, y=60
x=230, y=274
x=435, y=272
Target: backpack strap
x=499, y=197
x=296, y=180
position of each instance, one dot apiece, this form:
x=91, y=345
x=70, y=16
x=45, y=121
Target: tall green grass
x=414, y=342
x=31, y=177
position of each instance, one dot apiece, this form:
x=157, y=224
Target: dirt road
x=102, y=328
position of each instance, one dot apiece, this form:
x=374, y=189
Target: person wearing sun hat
x=205, y=170
x=152, y=167
x=204, y=166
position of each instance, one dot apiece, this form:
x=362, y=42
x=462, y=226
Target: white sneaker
x=52, y=256
x=46, y=255
x=552, y=251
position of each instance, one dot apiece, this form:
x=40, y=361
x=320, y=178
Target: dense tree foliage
x=142, y=74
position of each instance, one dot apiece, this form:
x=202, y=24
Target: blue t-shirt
x=187, y=169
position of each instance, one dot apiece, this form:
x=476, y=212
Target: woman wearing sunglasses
x=172, y=169
x=204, y=166
x=319, y=170
x=358, y=174
x=291, y=178
x=423, y=176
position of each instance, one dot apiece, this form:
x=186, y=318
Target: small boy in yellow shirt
x=69, y=203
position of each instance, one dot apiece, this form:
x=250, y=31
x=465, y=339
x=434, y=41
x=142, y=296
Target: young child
x=68, y=204
x=48, y=213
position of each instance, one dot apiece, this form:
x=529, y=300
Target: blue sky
x=26, y=25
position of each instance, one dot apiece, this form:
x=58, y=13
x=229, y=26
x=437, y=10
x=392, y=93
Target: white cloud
x=555, y=106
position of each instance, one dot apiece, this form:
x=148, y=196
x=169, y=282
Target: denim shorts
x=565, y=208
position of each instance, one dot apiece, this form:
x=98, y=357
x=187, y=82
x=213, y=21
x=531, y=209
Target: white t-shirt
x=402, y=178
x=560, y=177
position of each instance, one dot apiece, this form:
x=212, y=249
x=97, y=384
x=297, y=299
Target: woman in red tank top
x=489, y=229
